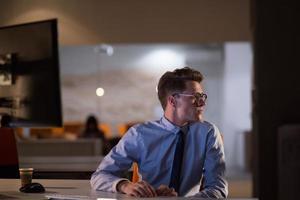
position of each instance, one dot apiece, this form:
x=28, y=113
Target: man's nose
x=200, y=102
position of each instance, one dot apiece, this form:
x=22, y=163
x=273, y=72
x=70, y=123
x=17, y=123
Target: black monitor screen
x=29, y=75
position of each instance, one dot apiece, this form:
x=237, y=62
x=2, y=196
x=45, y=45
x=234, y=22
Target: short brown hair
x=172, y=82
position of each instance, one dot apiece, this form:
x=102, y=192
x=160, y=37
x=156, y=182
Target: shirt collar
x=169, y=125
x=172, y=127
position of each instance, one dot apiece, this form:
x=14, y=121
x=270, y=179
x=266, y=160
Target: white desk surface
x=10, y=187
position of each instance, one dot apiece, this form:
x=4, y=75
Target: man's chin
x=198, y=118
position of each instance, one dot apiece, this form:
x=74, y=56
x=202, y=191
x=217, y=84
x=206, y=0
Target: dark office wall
x=276, y=99
x=132, y=21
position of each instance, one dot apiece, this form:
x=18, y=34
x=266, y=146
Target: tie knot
x=184, y=129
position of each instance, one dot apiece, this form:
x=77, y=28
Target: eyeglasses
x=198, y=96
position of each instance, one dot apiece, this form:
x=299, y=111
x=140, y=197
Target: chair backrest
x=135, y=173
x=106, y=129
x=9, y=163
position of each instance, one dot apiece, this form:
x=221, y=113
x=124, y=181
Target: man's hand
x=139, y=189
x=164, y=190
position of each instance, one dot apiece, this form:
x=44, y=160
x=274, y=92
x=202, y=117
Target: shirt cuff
x=114, y=186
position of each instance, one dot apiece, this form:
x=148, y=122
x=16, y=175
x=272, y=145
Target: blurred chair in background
x=9, y=163
x=106, y=130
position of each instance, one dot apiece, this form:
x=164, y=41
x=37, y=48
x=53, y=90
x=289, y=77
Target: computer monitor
x=29, y=75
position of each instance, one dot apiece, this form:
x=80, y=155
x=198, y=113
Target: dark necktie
x=177, y=162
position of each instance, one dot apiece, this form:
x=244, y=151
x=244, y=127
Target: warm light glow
x=104, y=49
x=162, y=60
x=99, y=92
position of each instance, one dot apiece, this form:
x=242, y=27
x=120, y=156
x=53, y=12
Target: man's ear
x=172, y=101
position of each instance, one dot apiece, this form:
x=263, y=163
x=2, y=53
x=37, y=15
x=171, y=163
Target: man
x=173, y=153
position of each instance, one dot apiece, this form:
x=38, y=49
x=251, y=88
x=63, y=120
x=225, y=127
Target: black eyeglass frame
x=198, y=96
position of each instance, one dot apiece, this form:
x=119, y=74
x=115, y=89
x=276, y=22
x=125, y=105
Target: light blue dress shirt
x=152, y=145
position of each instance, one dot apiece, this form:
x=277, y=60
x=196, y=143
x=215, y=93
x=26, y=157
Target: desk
x=10, y=187
x=61, y=167
x=61, y=163
x=57, y=147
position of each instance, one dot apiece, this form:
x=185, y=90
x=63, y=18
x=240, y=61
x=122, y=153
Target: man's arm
x=108, y=175
x=215, y=185
x=118, y=161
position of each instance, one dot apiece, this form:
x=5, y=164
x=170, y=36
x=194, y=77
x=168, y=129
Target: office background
x=272, y=28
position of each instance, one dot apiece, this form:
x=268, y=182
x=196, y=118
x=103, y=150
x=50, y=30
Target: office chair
x=135, y=173
x=9, y=164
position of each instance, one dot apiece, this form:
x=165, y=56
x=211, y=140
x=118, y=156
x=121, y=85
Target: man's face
x=188, y=107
